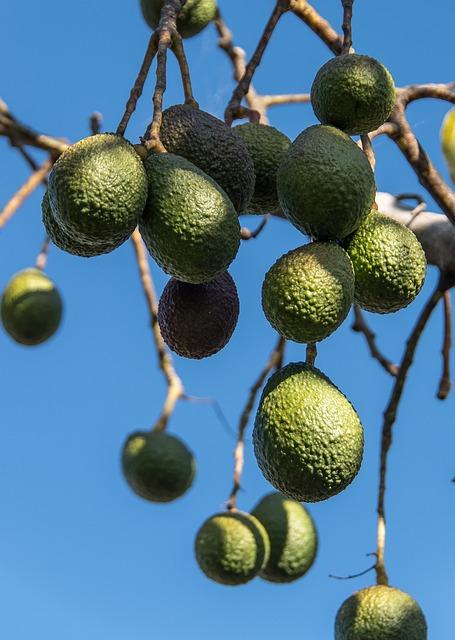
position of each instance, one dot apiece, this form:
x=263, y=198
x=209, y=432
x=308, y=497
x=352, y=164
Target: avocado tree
x=176, y=193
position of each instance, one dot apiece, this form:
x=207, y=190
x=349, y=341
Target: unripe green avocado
x=232, y=547
x=293, y=537
x=31, y=307
x=189, y=224
x=194, y=16
x=308, y=292
x=197, y=320
x=267, y=147
x=389, y=264
x=380, y=613
x=325, y=183
x=97, y=191
x=212, y=146
x=354, y=93
x=157, y=466
x=308, y=439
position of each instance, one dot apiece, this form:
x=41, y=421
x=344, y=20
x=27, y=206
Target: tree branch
x=303, y=10
x=32, y=182
x=246, y=234
x=347, y=25
x=445, y=383
x=360, y=325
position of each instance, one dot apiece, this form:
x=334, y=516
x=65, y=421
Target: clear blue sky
x=81, y=557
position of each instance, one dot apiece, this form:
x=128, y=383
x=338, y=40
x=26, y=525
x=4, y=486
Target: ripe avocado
x=97, y=190
x=308, y=292
x=325, y=183
x=293, y=537
x=389, y=264
x=194, y=16
x=354, y=93
x=266, y=146
x=157, y=466
x=31, y=307
x=197, y=320
x=380, y=613
x=308, y=439
x=189, y=224
x=212, y=146
x=232, y=547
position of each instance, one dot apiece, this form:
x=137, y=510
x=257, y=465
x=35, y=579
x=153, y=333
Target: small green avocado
x=380, y=613
x=197, y=320
x=308, y=438
x=31, y=307
x=389, y=264
x=157, y=466
x=354, y=93
x=232, y=547
x=293, y=537
x=193, y=18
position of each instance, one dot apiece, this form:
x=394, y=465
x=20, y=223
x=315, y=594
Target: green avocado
x=232, y=547
x=325, y=183
x=308, y=439
x=193, y=18
x=267, y=147
x=97, y=191
x=380, y=613
x=354, y=93
x=31, y=307
x=389, y=264
x=189, y=224
x=212, y=146
x=197, y=320
x=293, y=537
x=308, y=292
x=157, y=466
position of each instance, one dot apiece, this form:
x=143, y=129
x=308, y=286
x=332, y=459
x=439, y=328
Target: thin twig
x=354, y=575
x=24, y=192
x=360, y=325
x=179, y=52
x=274, y=362
x=368, y=149
x=95, y=122
x=317, y=24
x=41, y=259
x=347, y=25
x=390, y=414
x=175, y=389
x=247, y=234
x=311, y=353
x=285, y=98
x=445, y=383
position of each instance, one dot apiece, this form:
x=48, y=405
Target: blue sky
x=80, y=555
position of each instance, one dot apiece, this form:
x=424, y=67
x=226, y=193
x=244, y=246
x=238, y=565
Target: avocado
x=308, y=439
x=389, y=264
x=266, y=146
x=197, y=320
x=354, y=93
x=31, y=307
x=308, y=292
x=194, y=16
x=380, y=613
x=157, y=466
x=293, y=537
x=189, y=224
x=232, y=547
x=212, y=146
x=97, y=190
x=448, y=141
x=325, y=183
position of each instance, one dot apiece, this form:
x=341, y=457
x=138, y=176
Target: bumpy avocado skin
x=31, y=307
x=212, y=146
x=232, y=547
x=157, y=466
x=189, y=224
x=380, y=613
x=193, y=18
x=197, y=320
x=325, y=183
x=267, y=147
x=97, y=191
x=293, y=537
x=308, y=439
x=354, y=93
x=308, y=292
x=389, y=264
